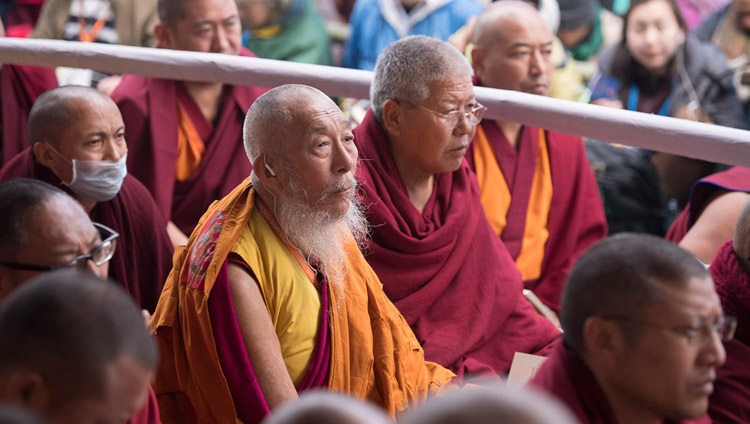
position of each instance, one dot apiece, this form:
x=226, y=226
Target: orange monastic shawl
x=496, y=199
x=374, y=353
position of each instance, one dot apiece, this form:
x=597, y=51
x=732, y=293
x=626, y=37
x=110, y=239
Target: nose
x=345, y=157
x=713, y=352
x=221, y=40
x=538, y=63
x=464, y=125
x=651, y=35
x=115, y=149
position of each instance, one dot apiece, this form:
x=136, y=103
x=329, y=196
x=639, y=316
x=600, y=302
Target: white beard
x=318, y=235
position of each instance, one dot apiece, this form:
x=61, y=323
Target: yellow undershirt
x=293, y=302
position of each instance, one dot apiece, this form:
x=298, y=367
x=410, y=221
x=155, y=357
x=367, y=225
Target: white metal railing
x=671, y=135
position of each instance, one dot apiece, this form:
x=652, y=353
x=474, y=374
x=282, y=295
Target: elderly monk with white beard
x=271, y=296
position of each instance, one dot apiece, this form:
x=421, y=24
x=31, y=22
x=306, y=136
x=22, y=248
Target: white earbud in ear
x=270, y=170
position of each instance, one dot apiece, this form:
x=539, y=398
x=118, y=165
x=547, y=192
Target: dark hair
x=69, y=326
x=19, y=198
x=622, y=275
x=624, y=66
x=171, y=11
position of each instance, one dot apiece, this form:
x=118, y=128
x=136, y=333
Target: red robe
x=445, y=269
x=19, y=88
x=734, y=179
x=576, y=216
x=730, y=402
x=566, y=377
x=149, y=110
x=143, y=257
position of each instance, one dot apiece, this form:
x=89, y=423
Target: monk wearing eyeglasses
x=78, y=144
x=643, y=333
x=44, y=229
x=432, y=247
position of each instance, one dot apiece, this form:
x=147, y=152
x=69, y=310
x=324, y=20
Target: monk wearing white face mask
x=78, y=144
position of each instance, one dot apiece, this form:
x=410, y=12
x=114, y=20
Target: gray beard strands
x=317, y=234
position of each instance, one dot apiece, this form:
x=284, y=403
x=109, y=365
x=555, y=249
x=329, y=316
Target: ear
x=603, y=340
x=161, y=31
x=44, y=154
x=26, y=388
x=393, y=118
x=264, y=169
x=477, y=61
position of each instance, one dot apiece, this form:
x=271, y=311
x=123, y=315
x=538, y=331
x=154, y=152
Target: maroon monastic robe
x=733, y=179
x=445, y=269
x=143, y=257
x=149, y=110
x=567, y=377
x=19, y=88
x=576, y=216
x=730, y=402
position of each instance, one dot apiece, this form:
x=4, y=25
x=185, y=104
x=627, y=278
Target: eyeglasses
x=452, y=118
x=724, y=327
x=99, y=255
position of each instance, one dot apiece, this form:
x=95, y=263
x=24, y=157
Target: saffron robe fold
x=149, y=110
x=19, y=88
x=576, y=217
x=730, y=401
x=734, y=179
x=567, y=377
x=445, y=269
x=205, y=373
x=143, y=256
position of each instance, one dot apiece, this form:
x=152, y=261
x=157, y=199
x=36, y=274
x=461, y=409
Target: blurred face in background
x=653, y=35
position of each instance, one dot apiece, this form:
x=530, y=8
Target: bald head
x=491, y=22
x=741, y=239
x=271, y=116
x=513, y=48
x=407, y=69
x=490, y=405
x=71, y=328
x=56, y=110
x=328, y=408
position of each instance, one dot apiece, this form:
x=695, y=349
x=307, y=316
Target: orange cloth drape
x=496, y=198
x=190, y=146
x=374, y=353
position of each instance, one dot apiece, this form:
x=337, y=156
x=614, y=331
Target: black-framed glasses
x=99, y=255
x=724, y=326
x=452, y=118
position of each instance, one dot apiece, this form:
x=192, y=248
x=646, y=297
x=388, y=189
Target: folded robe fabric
x=19, y=88
x=445, y=269
x=734, y=179
x=575, y=218
x=205, y=374
x=565, y=376
x=730, y=401
x=149, y=110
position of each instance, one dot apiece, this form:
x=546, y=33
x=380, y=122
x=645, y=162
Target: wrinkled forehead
x=693, y=298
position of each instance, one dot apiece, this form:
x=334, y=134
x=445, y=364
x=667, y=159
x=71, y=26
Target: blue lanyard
x=633, y=94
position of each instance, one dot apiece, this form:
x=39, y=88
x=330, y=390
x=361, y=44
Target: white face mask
x=97, y=180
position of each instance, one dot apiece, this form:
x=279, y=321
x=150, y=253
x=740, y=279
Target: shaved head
x=56, y=110
x=71, y=328
x=273, y=114
x=489, y=25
